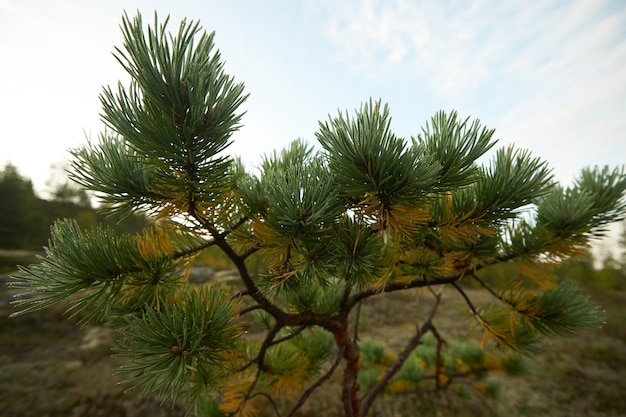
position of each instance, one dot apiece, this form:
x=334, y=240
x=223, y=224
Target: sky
x=549, y=76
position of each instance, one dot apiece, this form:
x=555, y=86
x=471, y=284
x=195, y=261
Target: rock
x=201, y=274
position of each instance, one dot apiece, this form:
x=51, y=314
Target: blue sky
x=547, y=75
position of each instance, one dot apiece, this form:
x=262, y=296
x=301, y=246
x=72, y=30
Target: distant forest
x=25, y=218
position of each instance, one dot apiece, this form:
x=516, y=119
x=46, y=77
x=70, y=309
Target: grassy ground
x=50, y=367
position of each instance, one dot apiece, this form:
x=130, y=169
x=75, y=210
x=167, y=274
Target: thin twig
x=235, y=226
x=269, y=337
x=477, y=315
x=467, y=299
x=260, y=358
x=240, y=294
x=356, y=323
x=270, y=399
x=491, y=290
x=249, y=252
x=420, y=282
x=438, y=362
x=189, y=251
x=317, y=384
x=249, y=309
x=413, y=342
x=289, y=336
x=401, y=286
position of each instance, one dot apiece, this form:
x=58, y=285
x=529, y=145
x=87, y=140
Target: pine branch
x=325, y=377
x=247, y=309
x=412, y=343
x=259, y=361
x=356, y=322
x=190, y=251
x=489, y=289
x=438, y=361
x=239, y=262
x=401, y=286
x=267, y=342
x=456, y=145
x=270, y=399
x=289, y=336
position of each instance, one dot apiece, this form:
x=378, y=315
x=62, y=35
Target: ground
x=51, y=367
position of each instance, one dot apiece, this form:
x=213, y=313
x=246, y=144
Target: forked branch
x=412, y=343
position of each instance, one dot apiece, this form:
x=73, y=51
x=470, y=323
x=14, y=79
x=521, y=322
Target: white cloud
x=549, y=74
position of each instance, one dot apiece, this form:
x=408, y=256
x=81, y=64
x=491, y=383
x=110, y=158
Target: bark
x=350, y=388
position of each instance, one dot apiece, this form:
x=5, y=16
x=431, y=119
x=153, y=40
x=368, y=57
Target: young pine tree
x=368, y=214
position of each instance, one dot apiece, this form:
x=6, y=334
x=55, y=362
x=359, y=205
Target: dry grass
x=50, y=367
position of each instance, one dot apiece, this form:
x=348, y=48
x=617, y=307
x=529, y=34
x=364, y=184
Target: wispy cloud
x=550, y=73
x=461, y=46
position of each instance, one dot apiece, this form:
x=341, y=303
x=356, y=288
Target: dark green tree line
x=26, y=218
x=19, y=215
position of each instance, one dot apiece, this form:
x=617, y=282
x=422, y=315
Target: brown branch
x=400, y=286
x=286, y=319
x=239, y=294
x=424, y=282
x=269, y=337
x=244, y=274
x=466, y=298
x=491, y=290
x=190, y=251
x=413, y=342
x=350, y=387
x=259, y=359
x=270, y=399
x=317, y=384
x=356, y=322
x=349, y=391
x=289, y=336
x=235, y=225
x=438, y=362
x=249, y=309
x=249, y=252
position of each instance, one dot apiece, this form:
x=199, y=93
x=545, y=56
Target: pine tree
x=367, y=214
x=18, y=214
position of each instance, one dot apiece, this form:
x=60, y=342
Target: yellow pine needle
x=404, y=219
x=541, y=274
x=462, y=366
x=154, y=243
x=480, y=387
x=274, y=246
x=290, y=381
x=492, y=362
x=232, y=400
x=503, y=335
x=443, y=379
x=184, y=277
x=513, y=320
x=380, y=283
x=527, y=309
x=280, y=277
x=565, y=248
x=456, y=261
x=401, y=386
